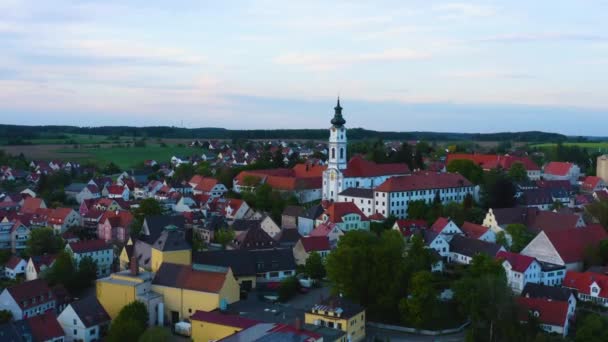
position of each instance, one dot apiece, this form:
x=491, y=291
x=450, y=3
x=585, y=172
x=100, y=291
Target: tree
x=183, y=172
x=43, y=240
x=498, y=190
x=417, y=210
x=288, y=288
x=63, y=272
x=520, y=236
x=155, y=334
x=130, y=323
x=5, y=316
x=111, y=169
x=518, y=172
x=421, y=305
x=277, y=158
x=468, y=169
x=599, y=211
x=419, y=258
x=224, y=236
x=87, y=272
x=592, y=329
x=314, y=266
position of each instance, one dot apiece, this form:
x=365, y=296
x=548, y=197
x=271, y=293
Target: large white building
x=357, y=172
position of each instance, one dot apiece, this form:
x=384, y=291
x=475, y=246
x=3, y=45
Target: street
x=395, y=336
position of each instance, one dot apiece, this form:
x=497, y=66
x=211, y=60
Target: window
x=341, y=153
x=75, y=332
x=333, y=152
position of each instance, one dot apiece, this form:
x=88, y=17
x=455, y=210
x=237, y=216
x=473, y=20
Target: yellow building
x=339, y=313
x=122, y=288
x=213, y=326
x=186, y=289
x=602, y=167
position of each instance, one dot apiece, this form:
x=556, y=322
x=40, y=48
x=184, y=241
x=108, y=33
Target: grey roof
x=90, y=311
x=289, y=236
x=293, y=210
x=157, y=224
x=472, y=247
x=428, y=236
x=171, y=240
x=358, y=192
x=546, y=292
x=75, y=187
x=313, y=212
x=248, y=262
x=240, y=225
x=15, y=331
x=328, y=334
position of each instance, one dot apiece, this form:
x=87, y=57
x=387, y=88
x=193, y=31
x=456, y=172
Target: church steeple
x=338, y=120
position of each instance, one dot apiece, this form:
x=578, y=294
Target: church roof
x=338, y=120
x=358, y=167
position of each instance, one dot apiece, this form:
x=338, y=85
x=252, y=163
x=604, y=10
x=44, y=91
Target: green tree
x=592, y=329
x=87, y=272
x=314, y=266
x=498, y=190
x=417, y=210
x=111, y=169
x=63, y=271
x=518, y=172
x=130, y=324
x=5, y=316
x=520, y=236
x=183, y=172
x=420, y=307
x=288, y=288
x=43, y=240
x=419, y=258
x=277, y=158
x=224, y=236
x=468, y=169
x=599, y=211
x=155, y=334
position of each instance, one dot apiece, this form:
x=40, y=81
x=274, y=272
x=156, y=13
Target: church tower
x=336, y=161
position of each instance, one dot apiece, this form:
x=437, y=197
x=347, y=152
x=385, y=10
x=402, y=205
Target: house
x=115, y=226
x=19, y=236
x=207, y=186
x=565, y=247
x=27, y=299
x=361, y=197
x=393, y=196
x=99, y=251
x=122, y=288
x=251, y=267
x=84, y=320
x=346, y=215
x=329, y=230
x=235, y=209
x=554, y=293
x=437, y=242
x=276, y=332
x=61, y=219
x=45, y=328
x=408, y=227
x=306, y=220
x=339, y=313
x=289, y=237
x=116, y=191
x=520, y=270
x=31, y=204
x=535, y=220
x=562, y=171
x=592, y=184
x=215, y=325
x=37, y=265
x=462, y=249
x=590, y=287
x=90, y=191
x=491, y=161
x=289, y=217
x=254, y=238
x=446, y=227
x=479, y=232
x=72, y=190
x=187, y=289
x=551, y=315
x=14, y=267
x=309, y=244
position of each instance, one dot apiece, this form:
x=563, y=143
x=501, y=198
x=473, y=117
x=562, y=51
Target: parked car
x=305, y=281
x=183, y=329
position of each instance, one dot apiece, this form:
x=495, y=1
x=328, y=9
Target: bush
x=288, y=289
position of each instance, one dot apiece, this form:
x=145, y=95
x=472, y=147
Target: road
x=394, y=336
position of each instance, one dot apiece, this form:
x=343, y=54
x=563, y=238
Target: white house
x=101, y=252
x=84, y=320
x=555, y=293
x=446, y=227
x=462, y=249
x=552, y=315
x=15, y=267
x=27, y=299
x=361, y=197
x=346, y=215
x=520, y=270
x=590, y=287
x=437, y=242
x=562, y=171
x=37, y=265
x=479, y=232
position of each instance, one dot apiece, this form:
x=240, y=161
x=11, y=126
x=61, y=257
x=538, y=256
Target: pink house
x=114, y=226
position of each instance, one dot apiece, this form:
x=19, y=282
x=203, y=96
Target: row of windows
x=426, y=192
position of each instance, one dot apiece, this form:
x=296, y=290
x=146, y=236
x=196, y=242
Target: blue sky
x=465, y=66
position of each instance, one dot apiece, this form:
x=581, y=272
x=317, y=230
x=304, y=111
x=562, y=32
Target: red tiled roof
x=57, y=216
x=30, y=205
x=543, y=220
x=43, y=260
x=423, y=181
x=558, y=168
x=315, y=243
x=550, y=312
x=13, y=262
x=196, y=179
x=23, y=293
x=581, y=281
x=359, y=167
x=519, y=263
x=117, y=218
x=87, y=246
x=571, y=244
x=492, y=161
x=406, y=226
x=308, y=170
x=206, y=185
x=45, y=327
x=282, y=179
x=337, y=210
x=232, y=321
x=438, y=226
x=377, y=217
x=115, y=189
x=591, y=182
x=184, y=277
x=323, y=229
x=472, y=230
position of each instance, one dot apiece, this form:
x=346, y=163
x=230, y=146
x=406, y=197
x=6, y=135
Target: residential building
x=37, y=265
x=592, y=184
x=551, y=274
x=339, y=313
x=15, y=267
x=492, y=161
x=99, y=251
x=84, y=320
x=116, y=191
x=565, y=247
x=215, y=325
x=555, y=293
x=437, y=242
x=562, y=171
x=346, y=215
x=274, y=332
x=590, y=287
x=479, y=232
x=363, y=198
x=28, y=299
x=329, y=230
x=309, y=244
x=446, y=227
x=289, y=217
x=254, y=238
x=61, y=219
x=207, y=186
x=462, y=249
x=188, y=289
x=306, y=220
x=551, y=315
x=45, y=328
x=115, y=226
x=409, y=227
x=520, y=270
x=393, y=196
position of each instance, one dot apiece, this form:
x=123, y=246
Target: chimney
x=298, y=324
x=133, y=266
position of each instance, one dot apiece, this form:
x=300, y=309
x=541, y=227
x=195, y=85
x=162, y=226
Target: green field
x=601, y=146
x=70, y=139
x=127, y=157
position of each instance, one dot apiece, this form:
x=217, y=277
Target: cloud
x=329, y=62
x=488, y=74
x=543, y=36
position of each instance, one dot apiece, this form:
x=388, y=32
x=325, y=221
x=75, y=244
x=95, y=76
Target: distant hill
x=13, y=133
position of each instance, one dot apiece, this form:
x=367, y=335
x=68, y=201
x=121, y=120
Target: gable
x=542, y=249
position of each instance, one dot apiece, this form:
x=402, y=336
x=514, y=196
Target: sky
x=448, y=66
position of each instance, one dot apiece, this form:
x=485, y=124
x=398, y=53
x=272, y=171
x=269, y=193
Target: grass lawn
x=127, y=157
x=595, y=146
